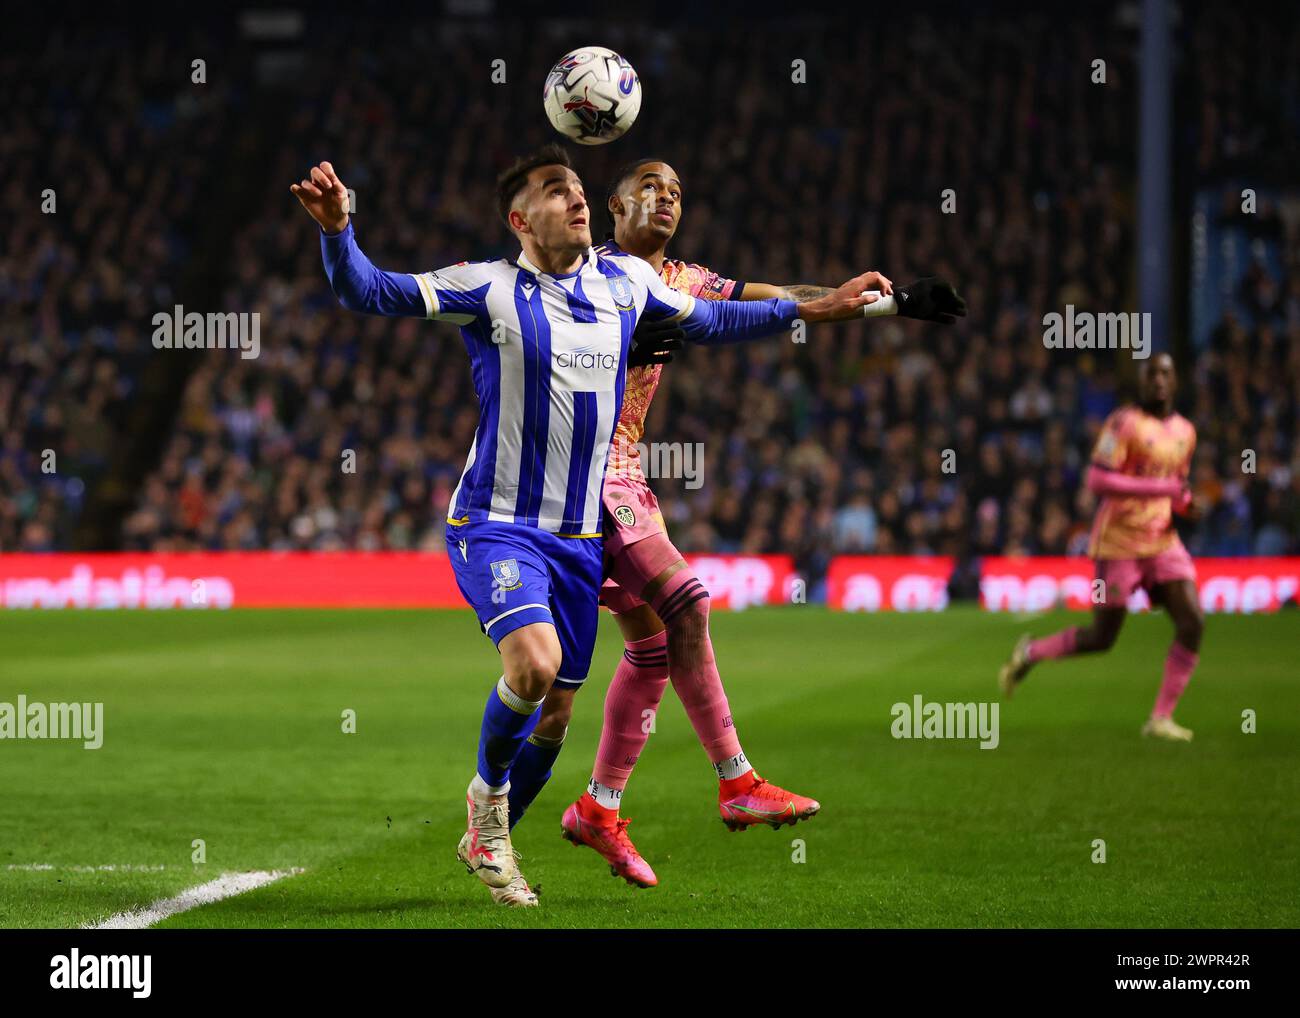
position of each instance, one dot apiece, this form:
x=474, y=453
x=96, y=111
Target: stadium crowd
x=95, y=227
x=883, y=436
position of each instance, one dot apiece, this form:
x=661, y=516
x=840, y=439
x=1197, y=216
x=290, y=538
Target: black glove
x=930, y=299
x=655, y=342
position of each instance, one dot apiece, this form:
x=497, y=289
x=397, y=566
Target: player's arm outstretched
x=356, y=281
x=712, y=322
x=793, y=291
x=929, y=299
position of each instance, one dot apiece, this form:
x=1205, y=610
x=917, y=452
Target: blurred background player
x=1139, y=470
x=548, y=334
x=661, y=606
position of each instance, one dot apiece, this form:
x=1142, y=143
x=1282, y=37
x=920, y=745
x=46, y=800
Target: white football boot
x=1166, y=728
x=1015, y=670
x=485, y=848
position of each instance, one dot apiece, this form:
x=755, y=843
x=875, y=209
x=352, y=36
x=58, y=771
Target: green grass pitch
x=227, y=727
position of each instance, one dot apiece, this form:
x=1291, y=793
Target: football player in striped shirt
x=661, y=606
x=548, y=334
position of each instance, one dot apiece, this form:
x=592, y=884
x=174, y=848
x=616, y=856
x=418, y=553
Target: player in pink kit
x=1139, y=470
x=661, y=606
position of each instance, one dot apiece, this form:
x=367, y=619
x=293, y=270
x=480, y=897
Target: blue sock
x=531, y=771
x=507, y=720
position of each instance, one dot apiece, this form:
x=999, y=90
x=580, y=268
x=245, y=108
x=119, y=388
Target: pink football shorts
x=1124, y=575
x=637, y=548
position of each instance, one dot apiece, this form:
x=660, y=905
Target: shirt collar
x=589, y=261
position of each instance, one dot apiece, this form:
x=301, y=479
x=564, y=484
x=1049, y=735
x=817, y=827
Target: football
x=592, y=95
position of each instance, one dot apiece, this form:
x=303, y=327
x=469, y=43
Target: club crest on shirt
x=621, y=290
x=625, y=516
x=506, y=574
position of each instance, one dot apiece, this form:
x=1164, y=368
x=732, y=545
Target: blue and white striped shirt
x=548, y=355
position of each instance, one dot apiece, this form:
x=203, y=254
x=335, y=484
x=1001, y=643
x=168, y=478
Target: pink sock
x=1057, y=645
x=633, y=697
x=1179, y=664
x=683, y=604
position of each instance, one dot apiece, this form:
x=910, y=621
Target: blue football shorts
x=513, y=576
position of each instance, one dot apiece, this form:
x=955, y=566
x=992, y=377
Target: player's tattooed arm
x=847, y=300
x=825, y=303
x=791, y=291
x=805, y=291
x=929, y=299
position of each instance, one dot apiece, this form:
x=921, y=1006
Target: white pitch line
x=225, y=886
x=44, y=867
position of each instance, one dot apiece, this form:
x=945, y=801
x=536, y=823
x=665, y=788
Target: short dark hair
x=620, y=177
x=513, y=178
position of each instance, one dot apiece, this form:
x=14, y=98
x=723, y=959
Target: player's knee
x=1188, y=629
x=686, y=612
x=532, y=672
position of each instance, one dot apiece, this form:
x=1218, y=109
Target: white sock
x=481, y=791
x=514, y=701
x=732, y=767
x=604, y=795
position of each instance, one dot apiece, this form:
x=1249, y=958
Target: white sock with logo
x=604, y=795
x=733, y=767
